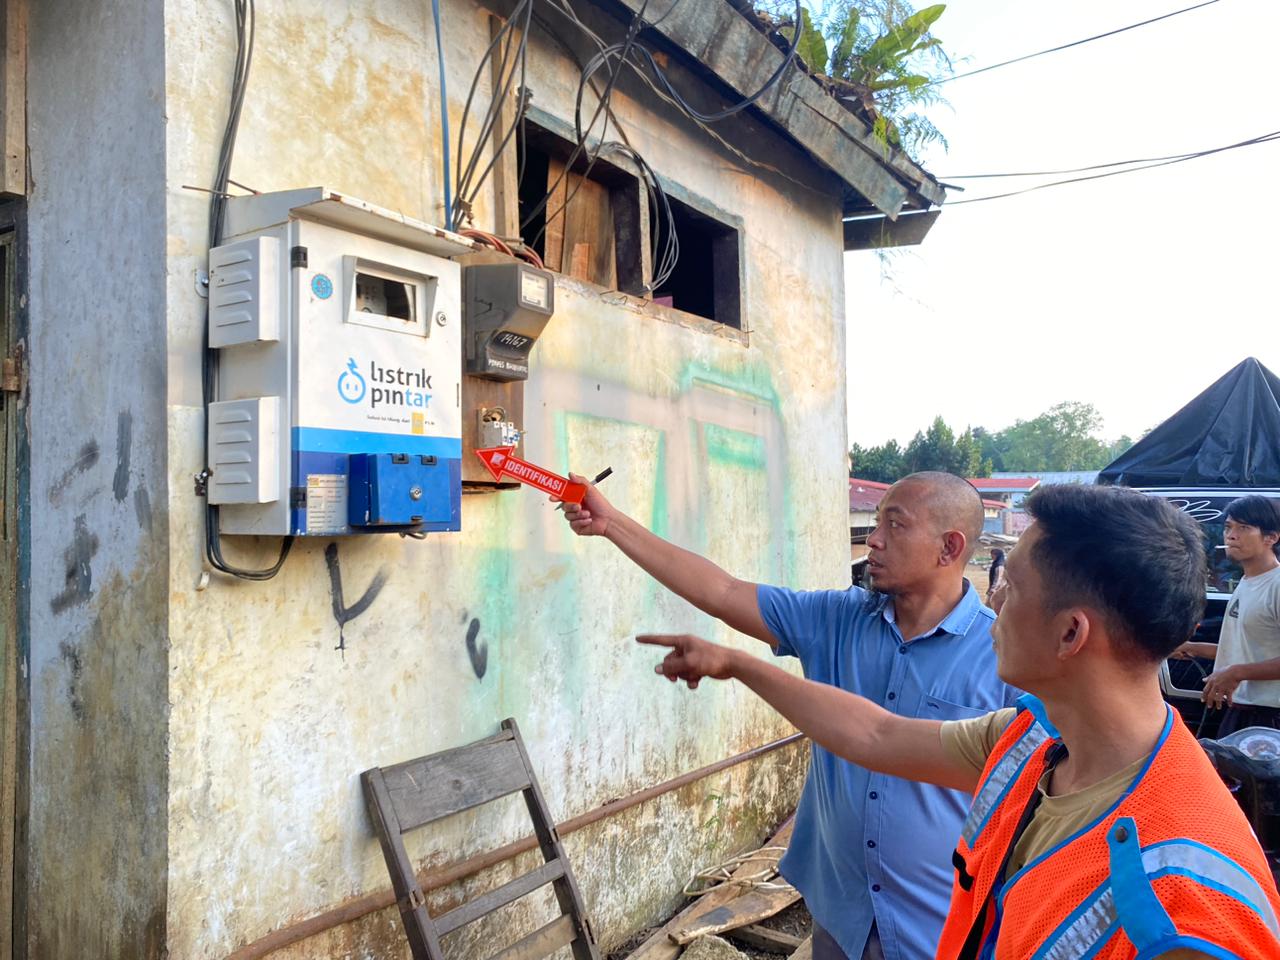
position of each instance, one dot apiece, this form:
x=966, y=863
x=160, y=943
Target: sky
x=1132, y=293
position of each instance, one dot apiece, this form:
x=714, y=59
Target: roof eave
x=716, y=35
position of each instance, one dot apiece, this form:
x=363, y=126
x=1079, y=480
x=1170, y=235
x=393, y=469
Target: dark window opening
x=589, y=228
x=706, y=280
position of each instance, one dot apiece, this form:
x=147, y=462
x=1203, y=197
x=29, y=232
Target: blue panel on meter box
x=308, y=464
x=399, y=489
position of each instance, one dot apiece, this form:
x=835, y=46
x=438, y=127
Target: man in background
x=1246, y=670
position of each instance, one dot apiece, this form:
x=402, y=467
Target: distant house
x=864, y=501
x=1050, y=477
x=1009, y=492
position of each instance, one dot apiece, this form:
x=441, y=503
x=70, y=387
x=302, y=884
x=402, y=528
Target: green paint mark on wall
x=729, y=446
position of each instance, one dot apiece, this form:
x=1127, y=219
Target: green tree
x=938, y=448
x=882, y=464
x=1064, y=437
x=989, y=447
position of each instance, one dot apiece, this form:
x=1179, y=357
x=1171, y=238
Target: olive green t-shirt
x=970, y=742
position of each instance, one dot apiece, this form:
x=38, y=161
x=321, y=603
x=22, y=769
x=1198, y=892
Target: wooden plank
x=568, y=896
x=660, y=946
x=541, y=943
x=409, y=897
x=747, y=909
x=878, y=233
x=522, y=885
x=580, y=262
x=553, y=236
x=13, y=98
x=588, y=221
x=762, y=938
x=804, y=951
x=433, y=787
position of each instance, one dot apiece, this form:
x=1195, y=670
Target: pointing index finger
x=658, y=639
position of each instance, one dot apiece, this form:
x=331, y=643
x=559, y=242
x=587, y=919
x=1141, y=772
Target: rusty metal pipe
x=443, y=876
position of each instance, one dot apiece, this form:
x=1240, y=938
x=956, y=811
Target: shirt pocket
x=933, y=707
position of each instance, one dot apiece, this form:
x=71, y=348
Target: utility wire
x=1067, y=46
x=1088, y=169
x=1253, y=141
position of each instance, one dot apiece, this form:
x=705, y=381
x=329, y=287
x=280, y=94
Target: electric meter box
x=338, y=330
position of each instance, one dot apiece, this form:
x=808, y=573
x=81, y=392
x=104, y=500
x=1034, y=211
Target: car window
x=1211, y=513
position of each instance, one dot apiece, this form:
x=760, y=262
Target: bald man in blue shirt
x=871, y=854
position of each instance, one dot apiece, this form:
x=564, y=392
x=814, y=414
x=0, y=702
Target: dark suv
x=1182, y=680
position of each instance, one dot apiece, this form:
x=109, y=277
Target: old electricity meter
x=338, y=330
x=506, y=307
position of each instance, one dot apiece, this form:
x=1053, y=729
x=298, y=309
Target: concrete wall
x=98, y=427
x=731, y=444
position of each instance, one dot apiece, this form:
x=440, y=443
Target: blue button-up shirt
x=869, y=847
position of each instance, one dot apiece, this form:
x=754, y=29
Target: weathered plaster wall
x=98, y=428
x=733, y=446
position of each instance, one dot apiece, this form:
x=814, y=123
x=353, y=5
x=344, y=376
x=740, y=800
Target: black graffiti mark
x=85, y=460
x=341, y=612
x=479, y=653
x=79, y=576
x=124, y=452
x=142, y=508
x=75, y=664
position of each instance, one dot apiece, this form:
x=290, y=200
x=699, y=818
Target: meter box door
x=355, y=400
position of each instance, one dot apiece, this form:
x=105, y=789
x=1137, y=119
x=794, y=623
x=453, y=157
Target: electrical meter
x=338, y=331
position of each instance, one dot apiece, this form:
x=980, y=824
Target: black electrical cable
x=623, y=51
x=466, y=189
x=632, y=32
x=245, y=23
x=1055, y=173
x=469, y=190
x=1253, y=141
x=1067, y=46
x=664, y=243
x=741, y=105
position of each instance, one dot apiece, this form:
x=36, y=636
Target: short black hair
x=1137, y=559
x=1257, y=511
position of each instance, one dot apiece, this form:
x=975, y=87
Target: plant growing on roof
x=880, y=56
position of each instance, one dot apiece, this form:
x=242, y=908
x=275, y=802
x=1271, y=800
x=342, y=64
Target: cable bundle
x=245, y=22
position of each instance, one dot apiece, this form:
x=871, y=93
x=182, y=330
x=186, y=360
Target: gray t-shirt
x=1251, y=633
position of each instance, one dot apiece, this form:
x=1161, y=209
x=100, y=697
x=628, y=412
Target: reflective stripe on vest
x=1126, y=901
x=1003, y=776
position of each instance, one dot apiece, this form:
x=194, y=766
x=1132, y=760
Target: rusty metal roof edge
x=704, y=30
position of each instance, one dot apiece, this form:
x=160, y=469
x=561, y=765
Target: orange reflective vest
x=1173, y=864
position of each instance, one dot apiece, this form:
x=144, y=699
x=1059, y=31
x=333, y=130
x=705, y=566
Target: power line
x=1074, y=43
x=1253, y=141
x=1088, y=169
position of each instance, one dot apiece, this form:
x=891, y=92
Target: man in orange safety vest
x=1098, y=826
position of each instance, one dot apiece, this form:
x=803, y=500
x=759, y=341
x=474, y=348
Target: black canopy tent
x=1228, y=436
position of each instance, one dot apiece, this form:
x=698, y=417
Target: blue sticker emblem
x=322, y=286
x=351, y=386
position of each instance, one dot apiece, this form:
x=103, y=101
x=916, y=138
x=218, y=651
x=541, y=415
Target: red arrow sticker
x=500, y=463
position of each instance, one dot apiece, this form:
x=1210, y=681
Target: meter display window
x=383, y=296
x=393, y=299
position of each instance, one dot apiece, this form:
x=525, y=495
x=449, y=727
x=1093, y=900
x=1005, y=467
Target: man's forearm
x=1262, y=670
x=705, y=585
x=854, y=727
